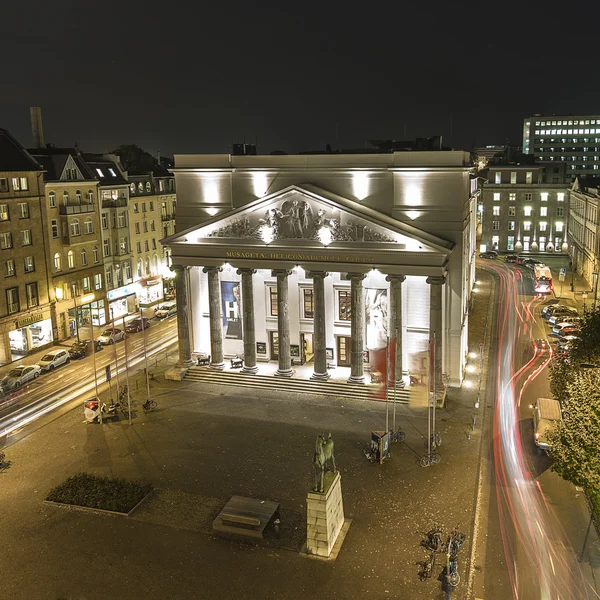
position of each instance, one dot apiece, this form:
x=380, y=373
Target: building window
x=543, y=225
x=560, y=210
x=512, y=211
x=26, y=237
x=148, y=187
x=4, y=214
x=83, y=257
x=108, y=276
x=308, y=303
x=495, y=242
x=151, y=207
x=273, y=300
x=153, y=243
x=71, y=259
x=161, y=185
x=496, y=196
x=496, y=225
x=98, y=281
x=527, y=211
x=344, y=305
x=511, y=225
x=544, y=196
x=512, y=197
x=12, y=300
x=152, y=226
x=54, y=227
x=65, y=198
x=90, y=196
x=89, y=225
x=510, y=245
x=132, y=190
x=9, y=268
x=145, y=226
x=140, y=187
x=127, y=270
x=122, y=221
x=86, y=282
x=513, y=177
x=147, y=266
x=140, y=268
x=23, y=210
x=123, y=245
x=20, y=184
x=544, y=211
x=138, y=246
x=498, y=177
x=29, y=264
x=146, y=248
x=3, y=184
x=143, y=207
x=496, y=210
x=527, y=226
x=106, y=247
x=529, y=177
x=560, y=196
x=5, y=241
x=75, y=227
x=95, y=254
x=558, y=226
x=78, y=196
x=57, y=262
x=528, y=196
x=105, y=222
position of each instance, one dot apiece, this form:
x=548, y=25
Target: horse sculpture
x=323, y=454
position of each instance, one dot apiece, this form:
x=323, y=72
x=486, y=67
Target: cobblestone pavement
x=206, y=443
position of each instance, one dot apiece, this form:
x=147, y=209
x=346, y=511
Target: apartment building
x=26, y=322
x=522, y=212
x=584, y=234
x=570, y=139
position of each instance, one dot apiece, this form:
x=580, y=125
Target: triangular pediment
x=68, y=169
x=305, y=215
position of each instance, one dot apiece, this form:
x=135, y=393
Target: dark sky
x=194, y=76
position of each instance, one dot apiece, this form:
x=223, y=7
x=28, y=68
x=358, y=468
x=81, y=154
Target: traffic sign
x=561, y=277
x=563, y=271
x=108, y=376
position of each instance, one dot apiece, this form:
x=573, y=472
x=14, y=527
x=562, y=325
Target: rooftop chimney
x=36, y=126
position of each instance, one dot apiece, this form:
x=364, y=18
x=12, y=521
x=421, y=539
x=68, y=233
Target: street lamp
x=595, y=273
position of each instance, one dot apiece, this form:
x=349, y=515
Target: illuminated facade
x=320, y=258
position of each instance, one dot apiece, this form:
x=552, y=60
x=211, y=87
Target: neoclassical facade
x=325, y=259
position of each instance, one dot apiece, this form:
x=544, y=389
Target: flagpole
x=387, y=406
x=127, y=368
x=434, y=390
x=429, y=401
x=394, y=358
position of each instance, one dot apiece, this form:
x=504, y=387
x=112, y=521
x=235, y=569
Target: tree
x=586, y=349
x=575, y=449
x=134, y=159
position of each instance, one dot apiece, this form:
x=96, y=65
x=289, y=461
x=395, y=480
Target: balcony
x=114, y=203
x=167, y=216
x=76, y=209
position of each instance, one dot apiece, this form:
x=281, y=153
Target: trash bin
x=381, y=440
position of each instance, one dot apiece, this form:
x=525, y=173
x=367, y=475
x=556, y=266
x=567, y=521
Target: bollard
x=468, y=435
x=473, y=424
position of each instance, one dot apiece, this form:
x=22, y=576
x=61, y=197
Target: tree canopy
x=135, y=159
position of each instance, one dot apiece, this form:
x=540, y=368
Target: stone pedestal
x=325, y=516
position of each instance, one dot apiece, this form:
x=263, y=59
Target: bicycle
x=436, y=440
x=430, y=459
x=434, y=540
x=370, y=452
x=123, y=394
x=427, y=567
x=456, y=539
x=397, y=436
x=149, y=405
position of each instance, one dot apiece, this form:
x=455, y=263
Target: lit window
x=71, y=259
x=560, y=196
x=344, y=305
x=4, y=214
x=527, y=211
x=148, y=187
x=529, y=177
x=498, y=177
x=496, y=225
x=496, y=211
x=26, y=237
x=543, y=211
x=543, y=225
x=23, y=210
x=9, y=268
x=511, y=242
x=132, y=188
x=527, y=226
x=512, y=197
x=83, y=257
x=512, y=211
x=52, y=199
x=57, y=262
x=99, y=171
x=558, y=226
x=513, y=177
x=496, y=196
x=95, y=253
x=75, y=227
x=112, y=171
x=544, y=196
x=511, y=225
x=6, y=240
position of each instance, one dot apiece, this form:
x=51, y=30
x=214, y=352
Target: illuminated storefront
x=151, y=290
x=122, y=301
x=32, y=333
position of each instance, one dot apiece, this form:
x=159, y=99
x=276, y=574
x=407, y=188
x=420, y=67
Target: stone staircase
x=284, y=384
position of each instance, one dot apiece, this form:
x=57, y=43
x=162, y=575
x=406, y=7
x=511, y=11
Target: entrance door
x=343, y=351
x=274, y=344
x=306, y=347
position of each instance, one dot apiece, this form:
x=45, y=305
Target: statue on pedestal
x=322, y=456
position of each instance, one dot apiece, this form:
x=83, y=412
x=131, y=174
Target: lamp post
x=595, y=273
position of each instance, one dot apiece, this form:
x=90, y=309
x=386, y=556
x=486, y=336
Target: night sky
x=180, y=77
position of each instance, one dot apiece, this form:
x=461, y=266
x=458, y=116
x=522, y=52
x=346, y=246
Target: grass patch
x=106, y=493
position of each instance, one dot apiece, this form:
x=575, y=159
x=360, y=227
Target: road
x=53, y=390
x=530, y=551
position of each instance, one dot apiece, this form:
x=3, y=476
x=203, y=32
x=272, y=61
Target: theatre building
x=321, y=259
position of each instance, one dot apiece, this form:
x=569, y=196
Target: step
x=306, y=386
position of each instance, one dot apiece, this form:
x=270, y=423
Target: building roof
x=105, y=169
x=586, y=184
x=54, y=159
x=13, y=157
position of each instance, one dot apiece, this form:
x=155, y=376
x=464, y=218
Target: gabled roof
x=54, y=161
x=105, y=169
x=14, y=157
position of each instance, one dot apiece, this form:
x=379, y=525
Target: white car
x=53, y=359
x=166, y=310
x=19, y=376
x=558, y=327
x=559, y=315
x=110, y=336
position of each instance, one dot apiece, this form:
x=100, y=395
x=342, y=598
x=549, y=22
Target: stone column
x=319, y=331
x=435, y=324
x=248, y=332
x=216, y=319
x=283, y=324
x=357, y=328
x=396, y=322
x=182, y=287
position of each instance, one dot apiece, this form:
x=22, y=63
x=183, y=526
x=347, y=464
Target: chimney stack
x=36, y=126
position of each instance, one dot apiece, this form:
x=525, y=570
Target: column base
x=320, y=376
x=217, y=366
x=189, y=363
x=356, y=379
x=249, y=370
x=284, y=372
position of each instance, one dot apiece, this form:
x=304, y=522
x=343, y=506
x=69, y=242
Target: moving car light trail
x=541, y=562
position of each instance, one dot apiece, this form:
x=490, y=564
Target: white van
x=546, y=415
x=165, y=310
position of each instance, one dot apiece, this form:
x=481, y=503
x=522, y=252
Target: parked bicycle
x=397, y=436
x=456, y=539
x=149, y=405
x=430, y=459
x=433, y=540
x=436, y=440
x=370, y=452
x=123, y=394
x=427, y=567
x=451, y=571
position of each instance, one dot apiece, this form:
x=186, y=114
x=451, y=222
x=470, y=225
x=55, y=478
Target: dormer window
x=140, y=187
x=112, y=171
x=148, y=187
x=99, y=171
x=132, y=188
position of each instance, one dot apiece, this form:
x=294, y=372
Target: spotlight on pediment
x=413, y=214
x=325, y=236
x=260, y=184
x=212, y=211
x=266, y=233
x=361, y=184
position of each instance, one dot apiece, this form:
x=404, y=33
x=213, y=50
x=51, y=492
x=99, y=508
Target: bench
x=375, y=377
x=237, y=363
x=204, y=360
x=246, y=517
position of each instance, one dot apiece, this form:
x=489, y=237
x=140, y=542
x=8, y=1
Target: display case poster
x=231, y=309
x=376, y=318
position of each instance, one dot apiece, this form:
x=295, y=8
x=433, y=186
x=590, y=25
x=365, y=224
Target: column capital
x=316, y=274
x=280, y=272
x=355, y=276
x=211, y=269
x=246, y=271
x=436, y=280
x=399, y=278
x=180, y=268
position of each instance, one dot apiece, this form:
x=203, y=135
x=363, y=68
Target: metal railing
x=76, y=209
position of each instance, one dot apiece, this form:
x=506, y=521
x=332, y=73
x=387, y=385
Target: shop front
x=89, y=310
x=31, y=333
x=122, y=301
x=151, y=290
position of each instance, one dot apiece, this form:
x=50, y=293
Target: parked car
x=83, y=348
x=569, y=331
x=511, y=258
x=489, y=254
x=110, y=336
x=530, y=263
x=521, y=259
x=53, y=359
x=165, y=310
x=568, y=320
x=541, y=345
x=558, y=327
x=19, y=376
x=548, y=311
x=137, y=324
x=562, y=312
x=546, y=417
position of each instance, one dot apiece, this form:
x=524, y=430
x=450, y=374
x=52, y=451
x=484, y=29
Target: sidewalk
x=206, y=443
